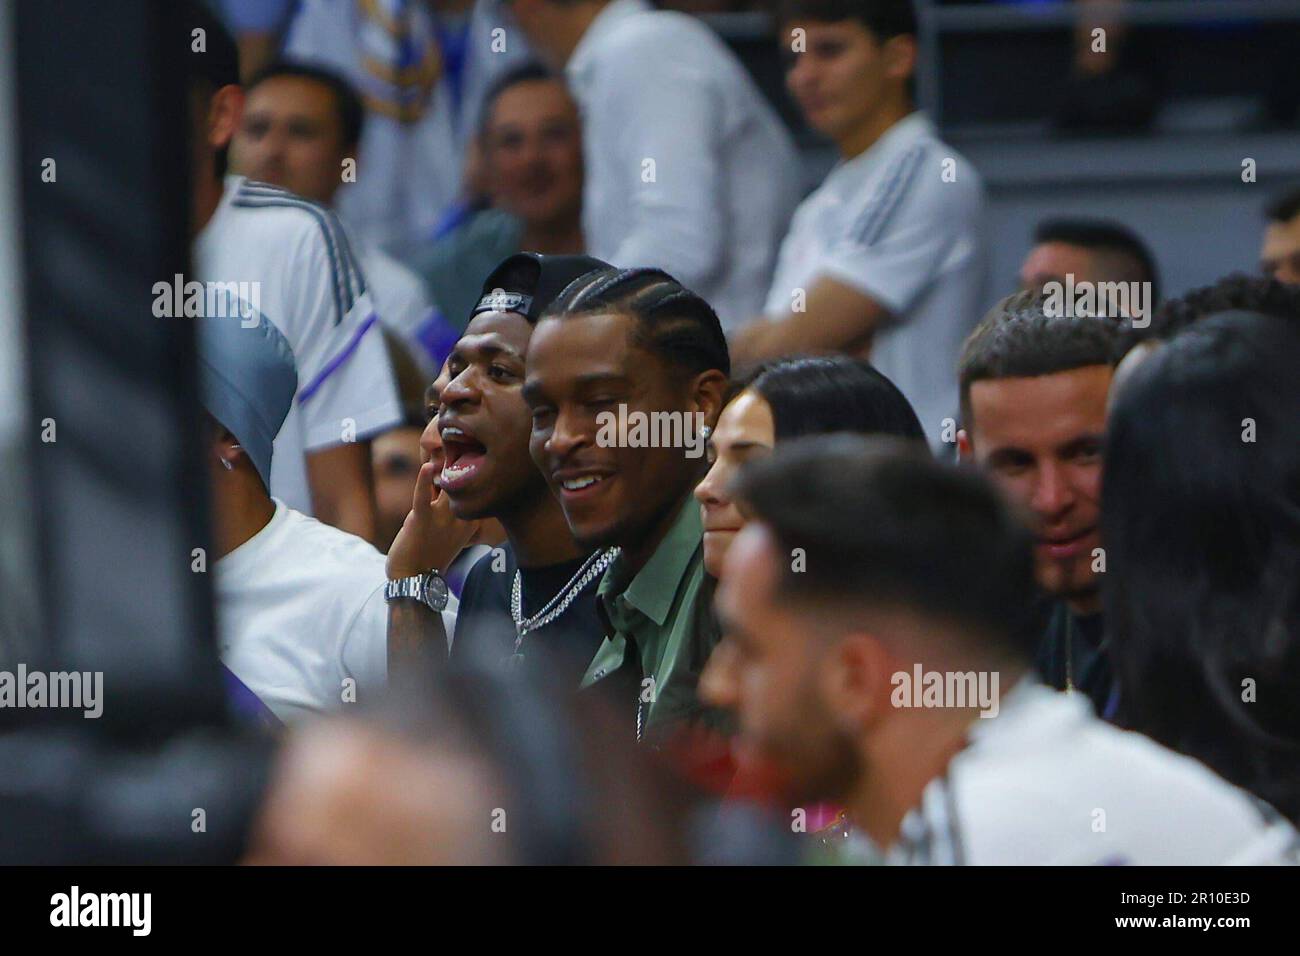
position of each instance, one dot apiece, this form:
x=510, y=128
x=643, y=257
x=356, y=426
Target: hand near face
x=431, y=535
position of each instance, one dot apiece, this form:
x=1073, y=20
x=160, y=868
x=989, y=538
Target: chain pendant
x=591, y=569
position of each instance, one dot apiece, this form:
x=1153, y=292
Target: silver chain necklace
x=591, y=569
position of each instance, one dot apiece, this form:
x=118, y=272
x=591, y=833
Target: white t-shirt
x=310, y=287
x=901, y=223
x=1047, y=782
x=408, y=172
x=300, y=609
x=403, y=302
x=688, y=169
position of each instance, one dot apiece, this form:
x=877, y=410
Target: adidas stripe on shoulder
x=347, y=279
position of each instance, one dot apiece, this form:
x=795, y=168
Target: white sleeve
x=1277, y=845
x=346, y=389
x=900, y=237
x=364, y=650
x=398, y=293
x=406, y=308
x=676, y=124
x=307, y=35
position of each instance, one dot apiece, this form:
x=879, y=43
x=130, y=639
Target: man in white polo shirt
x=301, y=613
x=885, y=259
x=891, y=674
x=294, y=266
x=688, y=169
x=301, y=125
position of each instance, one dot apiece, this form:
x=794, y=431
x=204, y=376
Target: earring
x=225, y=462
x=705, y=432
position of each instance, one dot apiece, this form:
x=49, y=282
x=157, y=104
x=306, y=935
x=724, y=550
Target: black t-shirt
x=1075, y=646
x=485, y=631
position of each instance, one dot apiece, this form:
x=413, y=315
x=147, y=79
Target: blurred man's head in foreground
x=864, y=559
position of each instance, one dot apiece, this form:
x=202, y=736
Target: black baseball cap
x=527, y=282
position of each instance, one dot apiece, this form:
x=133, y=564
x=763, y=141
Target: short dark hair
x=1234, y=293
x=1017, y=339
x=530, y=72
x=880, y=522
x=1284, y=208
x=884, y=18
x=215, y=66
x=217, y=63
x=347, y=103
x=672, y=321
x=1103, y=235
x=820, y=394
x=1202, y=533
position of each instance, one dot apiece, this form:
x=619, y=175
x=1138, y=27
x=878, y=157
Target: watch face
x=435, y=592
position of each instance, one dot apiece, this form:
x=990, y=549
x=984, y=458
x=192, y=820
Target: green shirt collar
x=655, y=586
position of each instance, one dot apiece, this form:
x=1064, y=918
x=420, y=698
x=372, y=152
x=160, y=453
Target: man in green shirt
x=625, y=375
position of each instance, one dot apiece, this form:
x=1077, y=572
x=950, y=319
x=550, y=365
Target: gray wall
x=1184, y=195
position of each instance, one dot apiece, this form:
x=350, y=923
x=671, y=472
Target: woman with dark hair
x=1201, y=525
x=788, y=398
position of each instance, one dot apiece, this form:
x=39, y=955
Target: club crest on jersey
x=499, y=300
x=194, y=299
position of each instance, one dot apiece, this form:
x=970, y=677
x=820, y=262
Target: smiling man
x=530, y=147
x=531, y=602
x=535, y=599
x=633, y=337
x=1033, y=392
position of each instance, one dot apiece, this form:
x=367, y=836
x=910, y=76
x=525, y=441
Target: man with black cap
x=300, y=604
x=532, y=602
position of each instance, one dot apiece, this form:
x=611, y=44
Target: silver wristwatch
x=428, y=588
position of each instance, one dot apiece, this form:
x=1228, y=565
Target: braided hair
x=671, y=321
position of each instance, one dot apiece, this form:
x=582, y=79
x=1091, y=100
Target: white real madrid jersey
x=901, y=224
x=298, y=262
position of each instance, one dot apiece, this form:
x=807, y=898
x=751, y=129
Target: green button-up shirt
x=665, y=612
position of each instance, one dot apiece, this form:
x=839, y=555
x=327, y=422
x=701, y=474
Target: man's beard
x=819, y=761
